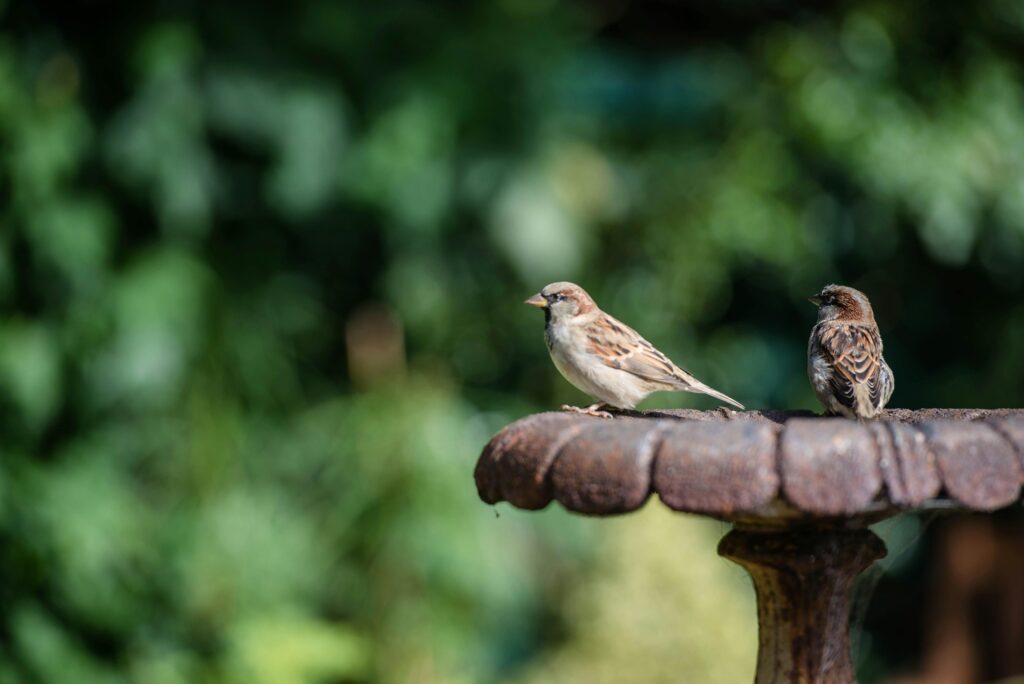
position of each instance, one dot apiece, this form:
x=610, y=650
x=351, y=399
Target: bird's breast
x=558, y=337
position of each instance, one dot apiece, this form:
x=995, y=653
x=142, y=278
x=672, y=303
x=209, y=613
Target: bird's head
x=838, y=302
x=562, y=301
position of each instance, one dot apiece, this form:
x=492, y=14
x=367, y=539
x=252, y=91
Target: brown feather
x=854, y=351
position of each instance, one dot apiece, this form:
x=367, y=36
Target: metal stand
x=803, y=579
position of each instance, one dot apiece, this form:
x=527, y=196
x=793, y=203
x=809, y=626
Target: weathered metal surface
x=803, y=580
x=1013, y=431
x=617, y=482
x=515, y=463
x=714, y=468
x=906, y=463
x=767, y=464
x=829, y=465
x=978, y=466
x=958, y=414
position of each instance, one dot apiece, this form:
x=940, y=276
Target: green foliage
x=261, y=272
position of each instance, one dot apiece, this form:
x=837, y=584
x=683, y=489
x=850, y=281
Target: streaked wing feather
x=621, y=347
x=855, y=354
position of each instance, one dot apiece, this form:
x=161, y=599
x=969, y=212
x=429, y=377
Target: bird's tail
x=692, y=384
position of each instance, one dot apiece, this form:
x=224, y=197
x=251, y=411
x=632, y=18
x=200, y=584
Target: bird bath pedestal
x=799, y=490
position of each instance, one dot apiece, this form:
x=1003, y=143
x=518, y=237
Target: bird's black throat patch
x=547, y=329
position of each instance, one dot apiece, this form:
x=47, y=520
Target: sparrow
x=844, y=355
x=604, y=357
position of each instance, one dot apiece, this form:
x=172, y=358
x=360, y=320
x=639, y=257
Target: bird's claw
x=592, y=410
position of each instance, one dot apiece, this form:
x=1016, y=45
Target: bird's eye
x=559, y=297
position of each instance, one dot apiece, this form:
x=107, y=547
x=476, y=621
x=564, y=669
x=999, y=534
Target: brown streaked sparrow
x=605, y=358
x=844, y=355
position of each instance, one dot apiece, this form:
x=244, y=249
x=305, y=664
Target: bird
x=605, y=358
x=844, y=355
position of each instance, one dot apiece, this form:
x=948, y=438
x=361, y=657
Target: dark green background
x=261, y=270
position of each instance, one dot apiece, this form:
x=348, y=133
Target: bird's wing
x=855, y=354
x=621, y=347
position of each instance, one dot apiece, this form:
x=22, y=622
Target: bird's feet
x=727, y=412
x=592, y=410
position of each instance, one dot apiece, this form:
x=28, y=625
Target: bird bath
x=799, y=490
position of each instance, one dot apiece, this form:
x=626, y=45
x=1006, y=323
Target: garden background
x=262, y=268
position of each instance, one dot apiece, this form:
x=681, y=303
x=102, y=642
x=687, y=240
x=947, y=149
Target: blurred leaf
x=310, y=149
x=156, y=144
x=75, y=236
x=52, y=654
x=290, y=650
x=158, y=313
x=100, y=536
x=47, y=149
x=540, y=238
x=403, y=162
x=30, y=368
x=250, y=552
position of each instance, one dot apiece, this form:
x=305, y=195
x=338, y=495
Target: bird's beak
x=538, y=301
x=815, y=300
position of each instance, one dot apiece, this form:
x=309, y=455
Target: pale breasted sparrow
x=605, y=358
